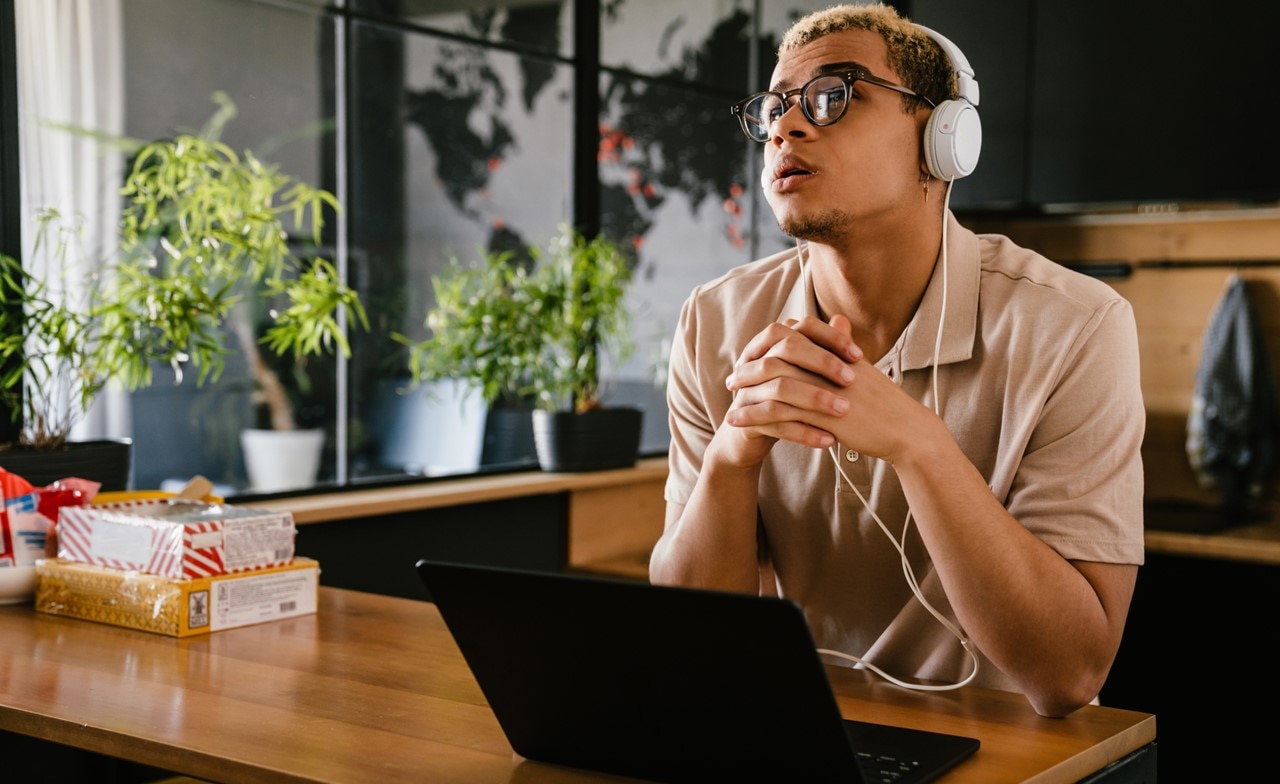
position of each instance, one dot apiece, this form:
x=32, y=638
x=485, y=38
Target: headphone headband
x=966, y=82
x=953, y=135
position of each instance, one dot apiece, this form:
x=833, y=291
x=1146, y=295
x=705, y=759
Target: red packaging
x=28, y=515
x=11, y=486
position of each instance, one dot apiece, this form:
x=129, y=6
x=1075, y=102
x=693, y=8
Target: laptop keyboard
x=881, y=769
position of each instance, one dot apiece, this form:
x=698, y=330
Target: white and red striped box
x=176, y=538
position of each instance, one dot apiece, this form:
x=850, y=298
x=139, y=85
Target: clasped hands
x=808, y=382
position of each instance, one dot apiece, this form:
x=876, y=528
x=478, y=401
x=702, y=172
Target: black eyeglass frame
x=849, y=78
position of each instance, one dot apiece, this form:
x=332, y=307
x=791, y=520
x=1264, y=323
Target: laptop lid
x=661, y=683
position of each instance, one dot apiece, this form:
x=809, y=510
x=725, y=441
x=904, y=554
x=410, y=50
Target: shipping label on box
x=176, y=538
x=176, y=607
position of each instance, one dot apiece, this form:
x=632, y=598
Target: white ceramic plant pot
x=434, y=430
x=279, y=460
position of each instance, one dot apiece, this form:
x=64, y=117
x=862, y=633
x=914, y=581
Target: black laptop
x=666, y=684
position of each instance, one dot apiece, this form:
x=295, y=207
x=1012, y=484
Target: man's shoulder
x=773, y=273
x=1004, y=259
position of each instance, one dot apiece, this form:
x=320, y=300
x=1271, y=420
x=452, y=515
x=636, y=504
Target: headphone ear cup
x=953, y=140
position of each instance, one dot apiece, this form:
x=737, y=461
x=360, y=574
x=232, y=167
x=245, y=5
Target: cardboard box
x=176, y=538
x=176, y=607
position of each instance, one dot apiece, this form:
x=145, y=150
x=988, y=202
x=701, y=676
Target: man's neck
x=876, y=281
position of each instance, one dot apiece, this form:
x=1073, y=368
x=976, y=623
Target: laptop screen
x=655, y=682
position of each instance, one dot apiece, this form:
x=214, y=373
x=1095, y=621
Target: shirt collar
x=960, y=330
x=800, y=301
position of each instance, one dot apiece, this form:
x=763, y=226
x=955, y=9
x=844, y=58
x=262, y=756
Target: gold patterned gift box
x=178, y=607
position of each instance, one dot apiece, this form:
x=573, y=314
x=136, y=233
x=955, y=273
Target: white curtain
x=71, y=73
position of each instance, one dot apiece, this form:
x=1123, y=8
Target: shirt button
x=851, y=456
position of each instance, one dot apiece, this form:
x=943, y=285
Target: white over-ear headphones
x=953, y=135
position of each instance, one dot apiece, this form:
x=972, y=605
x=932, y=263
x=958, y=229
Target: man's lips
x=789, y=171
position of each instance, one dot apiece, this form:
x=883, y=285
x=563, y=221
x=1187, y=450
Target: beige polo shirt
x=1038, y=382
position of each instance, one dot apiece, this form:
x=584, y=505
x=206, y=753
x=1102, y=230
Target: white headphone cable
x=900, y=544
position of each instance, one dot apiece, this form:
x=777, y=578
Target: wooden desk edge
x=354, y=504
x=1097, y=758
x=143, y=751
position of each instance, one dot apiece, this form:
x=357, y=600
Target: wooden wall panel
x=1193, y=236
x=1179, y=266
x=613, y=529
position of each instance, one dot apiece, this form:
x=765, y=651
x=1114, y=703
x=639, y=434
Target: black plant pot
x=106, y=461
x=508, y=437
x=588, y=441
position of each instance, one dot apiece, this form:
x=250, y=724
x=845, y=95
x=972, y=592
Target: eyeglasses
x=823, y=99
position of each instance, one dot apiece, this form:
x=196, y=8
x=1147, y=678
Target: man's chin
x=820, y=229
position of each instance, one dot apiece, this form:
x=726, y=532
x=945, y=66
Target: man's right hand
x=785, y=377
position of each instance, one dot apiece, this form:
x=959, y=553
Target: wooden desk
x=372, y=688
x=1257, y=543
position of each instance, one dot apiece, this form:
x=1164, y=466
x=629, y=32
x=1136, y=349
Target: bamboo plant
x=204, y=233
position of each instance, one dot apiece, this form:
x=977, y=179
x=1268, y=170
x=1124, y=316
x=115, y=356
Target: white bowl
x=17, y=584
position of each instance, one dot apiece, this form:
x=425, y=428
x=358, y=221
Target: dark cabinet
x=993, y=34
x=1093, y=104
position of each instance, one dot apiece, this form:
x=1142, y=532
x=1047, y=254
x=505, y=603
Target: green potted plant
x=540, y=331
x=582, y=285
x=203, y=237
x=483, y=336
x=51, y=373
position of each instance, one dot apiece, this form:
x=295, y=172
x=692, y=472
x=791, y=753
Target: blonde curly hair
x=917, y=58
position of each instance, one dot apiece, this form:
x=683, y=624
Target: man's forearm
x=1032, y=612
x=711, y=541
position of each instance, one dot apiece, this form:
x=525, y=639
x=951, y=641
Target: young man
x=981, y=401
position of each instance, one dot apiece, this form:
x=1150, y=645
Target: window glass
x=446, y=128
x=456, y=147
x=678, y=181
x=544, y=26
x=677, y=195
x=176, y=56
x=705, y=43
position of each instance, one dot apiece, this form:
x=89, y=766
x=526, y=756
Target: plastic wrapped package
x=172, y=606
x=176, y=537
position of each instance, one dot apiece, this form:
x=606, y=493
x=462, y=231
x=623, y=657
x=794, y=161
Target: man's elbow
x=1059, y=696
x=659, y=574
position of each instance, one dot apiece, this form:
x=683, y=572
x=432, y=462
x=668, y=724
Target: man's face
x=818, y=180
